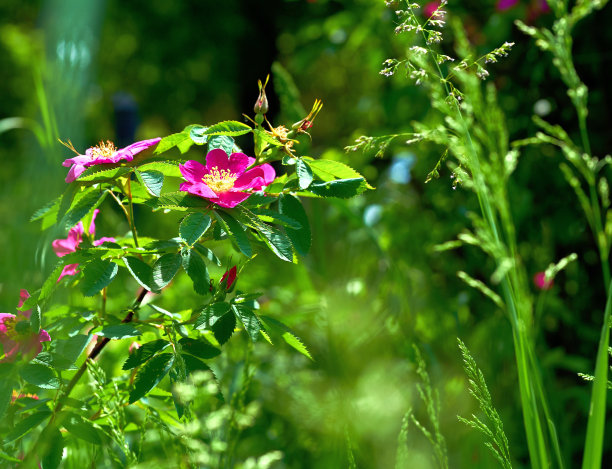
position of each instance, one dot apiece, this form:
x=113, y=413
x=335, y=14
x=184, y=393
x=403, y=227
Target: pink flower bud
x=539, y=280
x=228, y=279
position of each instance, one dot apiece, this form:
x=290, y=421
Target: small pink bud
x=229, y=277
x=133, y=346
x=539, y=280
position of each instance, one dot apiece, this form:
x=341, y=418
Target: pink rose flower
x=503, y=5
x=105, y=153
x=539, y=280
x=70, y=244
x=16, y=338
x=225, y=180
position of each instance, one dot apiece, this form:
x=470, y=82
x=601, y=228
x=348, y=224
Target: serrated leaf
x=229, y=128
x=141, y=271
x=81, y=428
x=164, y=270
x=150, y=375
x=177, y=201
x=266, y=137
x=233, y=227
x=300, y=238
x=152, y=180
x=39, y=375
x=193, y=364
x=88, y=202
x=97, y=275
x=287, y=334
x=194, y=226
x=223, y=142
x=211, y=314
x=103, y=172
x=144, y=353
x=166, y=167
x=249, y=320
x=271, y=216
x=26, y=425
x=276, y=240
x=199, y=348
x=35, y=319
x=341, y=188
x=67, y=199
x=208, y=254
x=224, y=327
x=196, y=269
x=53, y=451
x=328, y=170
x=181, y=140
x=46, y=210
x=119, y=331
x=304, y=173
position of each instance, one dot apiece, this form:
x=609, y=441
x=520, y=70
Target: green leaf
x=8, y=457
x=166, y=167
x=26, y=425
x=150, y=375
x=39, y=375
x=66, y=201
x=287, y=335
x=119, y=331
x=194, y=226
x=196, y=269
x=48, y=209
x=300, y=238
x=249, y=320
x=97, y=275
x=181, y=140
x=6, y=394
x=199, y=348
x=81, y=428
x=141, y=271
x=211, y=314
x=164, y=270
x=266, y=137
x=88, y=202
x=144, y=353
x=208, y=254
x=193, y=364
x=223, y=142
x=224, y=327
x=236, y=231
x=71, y=348
x=276, y=240
x=177, y=201
x=103, y=172
x=229, y=128
x=328, y=170
x=271, y=216
x=53, y=451
x=35, y=320
x=341, y=188
x=304, y=173
x=152, y=180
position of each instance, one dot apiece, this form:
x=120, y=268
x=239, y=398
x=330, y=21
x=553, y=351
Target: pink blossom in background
x=505, y=4
x=14, y=340
x=429, y=9
x=105, y=153
x=70, y=244
x=539, y=280
x=229, y=277
x=225, y=180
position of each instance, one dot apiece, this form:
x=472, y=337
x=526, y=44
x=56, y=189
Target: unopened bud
x=228, y=279
x=261, y=105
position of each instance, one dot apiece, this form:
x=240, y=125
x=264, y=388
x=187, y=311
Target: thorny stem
x=41, y=444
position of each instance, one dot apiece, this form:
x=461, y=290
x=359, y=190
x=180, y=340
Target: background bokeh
x=372, y=285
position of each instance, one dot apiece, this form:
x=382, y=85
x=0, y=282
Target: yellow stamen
x=103, y=150
x=220, y=180
x=9, y=323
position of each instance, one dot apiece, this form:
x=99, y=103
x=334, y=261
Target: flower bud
x=228, y=279
x=261, y=105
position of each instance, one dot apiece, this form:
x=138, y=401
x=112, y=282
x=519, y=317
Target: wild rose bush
x=225, y=197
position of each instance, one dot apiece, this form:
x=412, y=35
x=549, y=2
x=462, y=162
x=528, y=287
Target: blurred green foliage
x=373, y=285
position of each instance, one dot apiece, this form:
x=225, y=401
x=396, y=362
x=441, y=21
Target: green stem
x=131, y=217
x=593, y=446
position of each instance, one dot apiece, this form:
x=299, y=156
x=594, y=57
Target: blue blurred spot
x=402, y=163
x=372, y=214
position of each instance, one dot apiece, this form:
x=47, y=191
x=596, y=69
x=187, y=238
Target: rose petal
x=193, y=171
x=103, y=240
x=238, y=163
x=231, y=199
x=217, y=158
